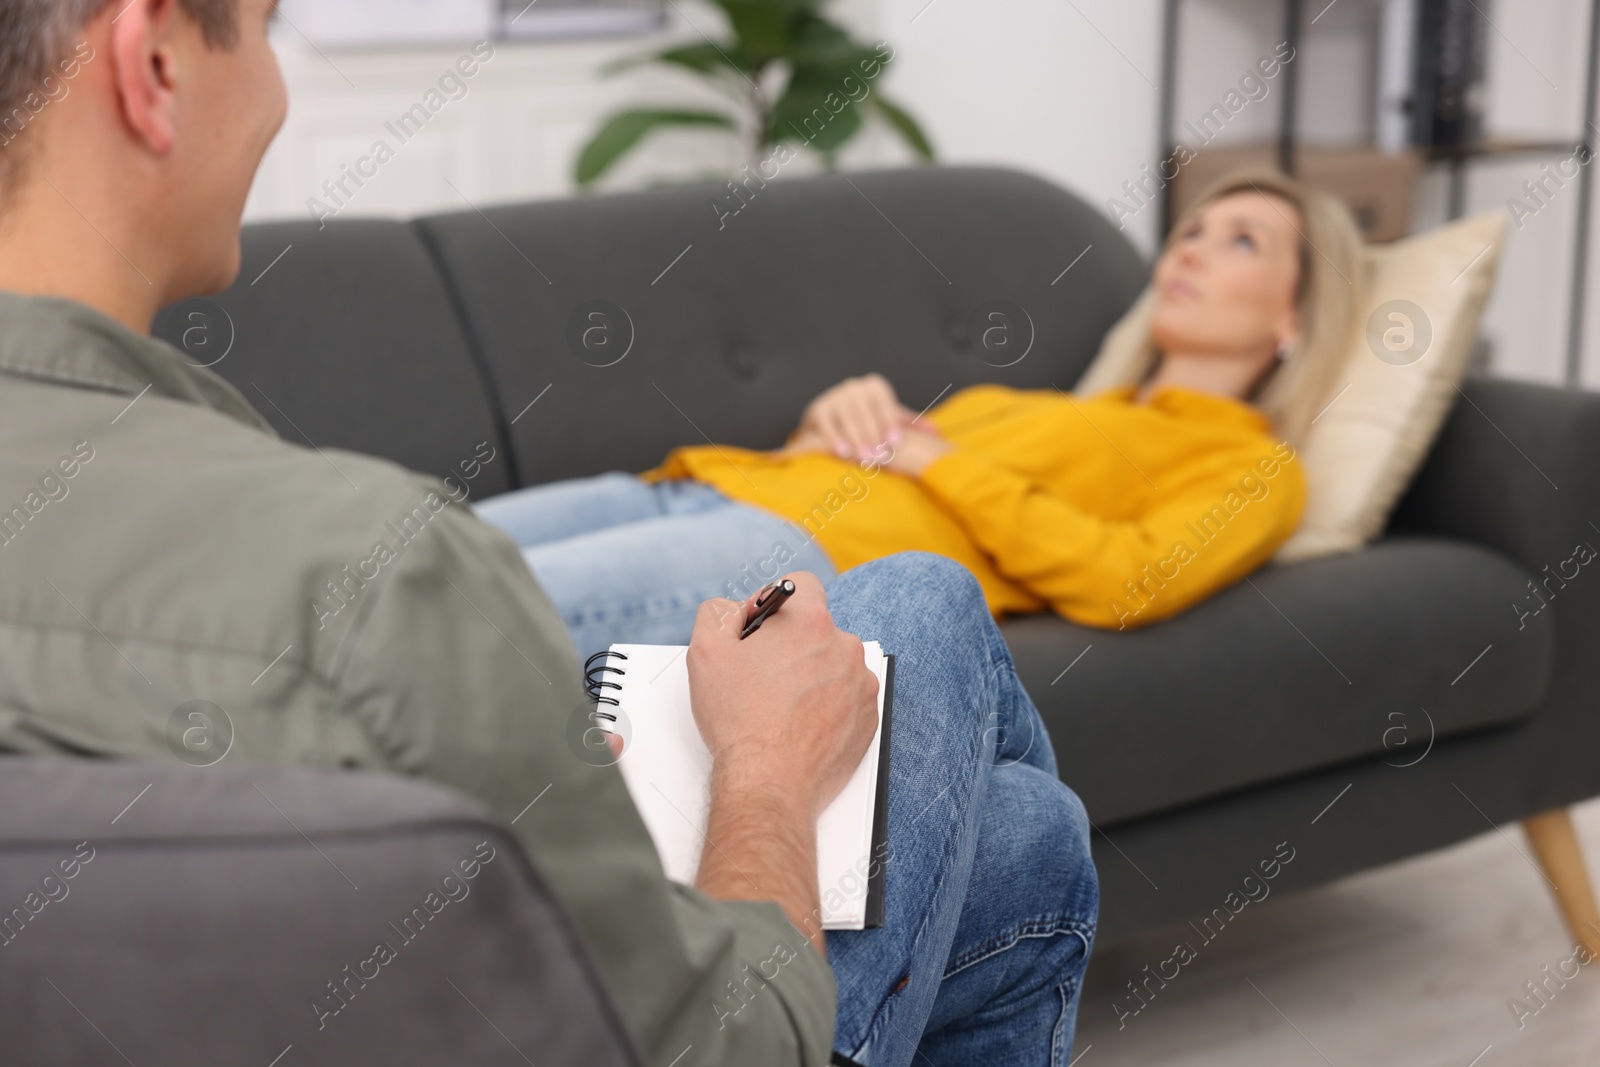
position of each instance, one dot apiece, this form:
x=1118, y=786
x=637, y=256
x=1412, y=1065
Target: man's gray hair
x=37, y=37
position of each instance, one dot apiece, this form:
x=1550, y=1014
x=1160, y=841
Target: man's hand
x=853, y=418
x=792, y=709
x=787, y=714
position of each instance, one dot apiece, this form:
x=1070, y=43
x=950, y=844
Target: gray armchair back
x=163, y=913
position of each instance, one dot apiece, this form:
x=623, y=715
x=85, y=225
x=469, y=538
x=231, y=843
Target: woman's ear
x=144, y=57
x=1288, y=332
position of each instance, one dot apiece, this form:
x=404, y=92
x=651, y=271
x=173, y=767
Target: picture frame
x=357, y=24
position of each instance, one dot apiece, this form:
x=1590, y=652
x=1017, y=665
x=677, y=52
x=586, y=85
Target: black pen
x=767, y=604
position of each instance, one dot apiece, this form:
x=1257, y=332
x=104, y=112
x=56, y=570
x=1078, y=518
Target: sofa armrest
x=196, y=916
x=1516, y=467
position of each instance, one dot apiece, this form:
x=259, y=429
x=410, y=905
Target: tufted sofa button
x=953, y=328
x=742, y=362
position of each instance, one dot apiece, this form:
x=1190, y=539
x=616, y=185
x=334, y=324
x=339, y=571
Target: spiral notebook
x=642, y=692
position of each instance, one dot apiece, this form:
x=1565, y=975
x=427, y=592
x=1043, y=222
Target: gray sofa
x=1362, y=708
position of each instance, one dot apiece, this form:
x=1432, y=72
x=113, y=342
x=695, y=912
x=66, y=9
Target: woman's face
x=1226, y=285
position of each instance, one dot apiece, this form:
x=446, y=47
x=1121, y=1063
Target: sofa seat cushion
x=1363, y=656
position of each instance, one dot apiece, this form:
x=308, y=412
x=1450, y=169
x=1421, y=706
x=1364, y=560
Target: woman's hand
x=852, y=419
x=918, y=448
x=805, y=441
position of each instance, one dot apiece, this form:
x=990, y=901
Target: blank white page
x=667, y=768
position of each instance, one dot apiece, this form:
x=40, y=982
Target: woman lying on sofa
x=1113, y=510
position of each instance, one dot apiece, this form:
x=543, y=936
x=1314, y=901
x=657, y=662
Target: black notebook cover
x=879, y=861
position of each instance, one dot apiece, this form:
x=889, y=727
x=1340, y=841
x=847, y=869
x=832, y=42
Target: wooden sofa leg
x=1555, y=843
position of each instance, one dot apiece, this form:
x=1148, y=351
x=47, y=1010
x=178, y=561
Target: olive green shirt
x=160, y=544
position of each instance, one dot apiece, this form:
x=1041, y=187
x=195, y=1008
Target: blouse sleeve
x=1193, y=540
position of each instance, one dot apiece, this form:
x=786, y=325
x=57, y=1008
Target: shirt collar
x=1193, y=403
x=69, y=343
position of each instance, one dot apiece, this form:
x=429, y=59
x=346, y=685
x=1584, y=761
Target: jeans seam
x=664, y=605
x=1037, y=927
x=1068, y=991
x=880, y=1014
x=1002, y=672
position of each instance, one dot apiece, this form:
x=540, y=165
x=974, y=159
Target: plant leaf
x=803, y=114
x=765, y=28
x=625, y=129
x=817, y=41
x=704, y=58
x=905, y=126
x=617, y=66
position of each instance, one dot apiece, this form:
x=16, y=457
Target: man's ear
x=144, y=39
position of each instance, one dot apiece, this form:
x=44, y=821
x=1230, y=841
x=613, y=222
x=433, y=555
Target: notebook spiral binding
x=594, y=669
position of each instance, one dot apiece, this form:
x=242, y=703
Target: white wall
x=1065, y=90
x=515, y=136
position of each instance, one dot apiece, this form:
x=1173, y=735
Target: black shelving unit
x=1457, y=158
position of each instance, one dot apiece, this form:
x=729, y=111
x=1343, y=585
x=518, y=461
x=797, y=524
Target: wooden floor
x=1412, y=964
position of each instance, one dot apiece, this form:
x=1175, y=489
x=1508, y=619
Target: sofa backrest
x=634, y=323
x=346, y=337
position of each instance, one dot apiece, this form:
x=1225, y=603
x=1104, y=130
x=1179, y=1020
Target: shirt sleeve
x=1195, y=538
x=461, y=672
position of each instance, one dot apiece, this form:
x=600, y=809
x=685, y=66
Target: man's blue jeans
x=991, y=896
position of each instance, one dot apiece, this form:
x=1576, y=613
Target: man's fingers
x=720, y=617
x=807, y=585
x=808, y=605
x=808, y=591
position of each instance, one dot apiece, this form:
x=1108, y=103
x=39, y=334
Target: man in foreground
x=167, y=547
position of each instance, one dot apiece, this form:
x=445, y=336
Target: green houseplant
x=792, y=76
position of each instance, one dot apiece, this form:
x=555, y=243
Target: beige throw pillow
x=1400, y=378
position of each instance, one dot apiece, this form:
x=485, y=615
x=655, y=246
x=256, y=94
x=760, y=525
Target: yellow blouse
x=1111, y=512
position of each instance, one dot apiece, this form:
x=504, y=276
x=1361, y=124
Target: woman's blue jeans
x=991, y=897
x=628, y=562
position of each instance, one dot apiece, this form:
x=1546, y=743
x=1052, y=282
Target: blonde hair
x=1331, y=287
